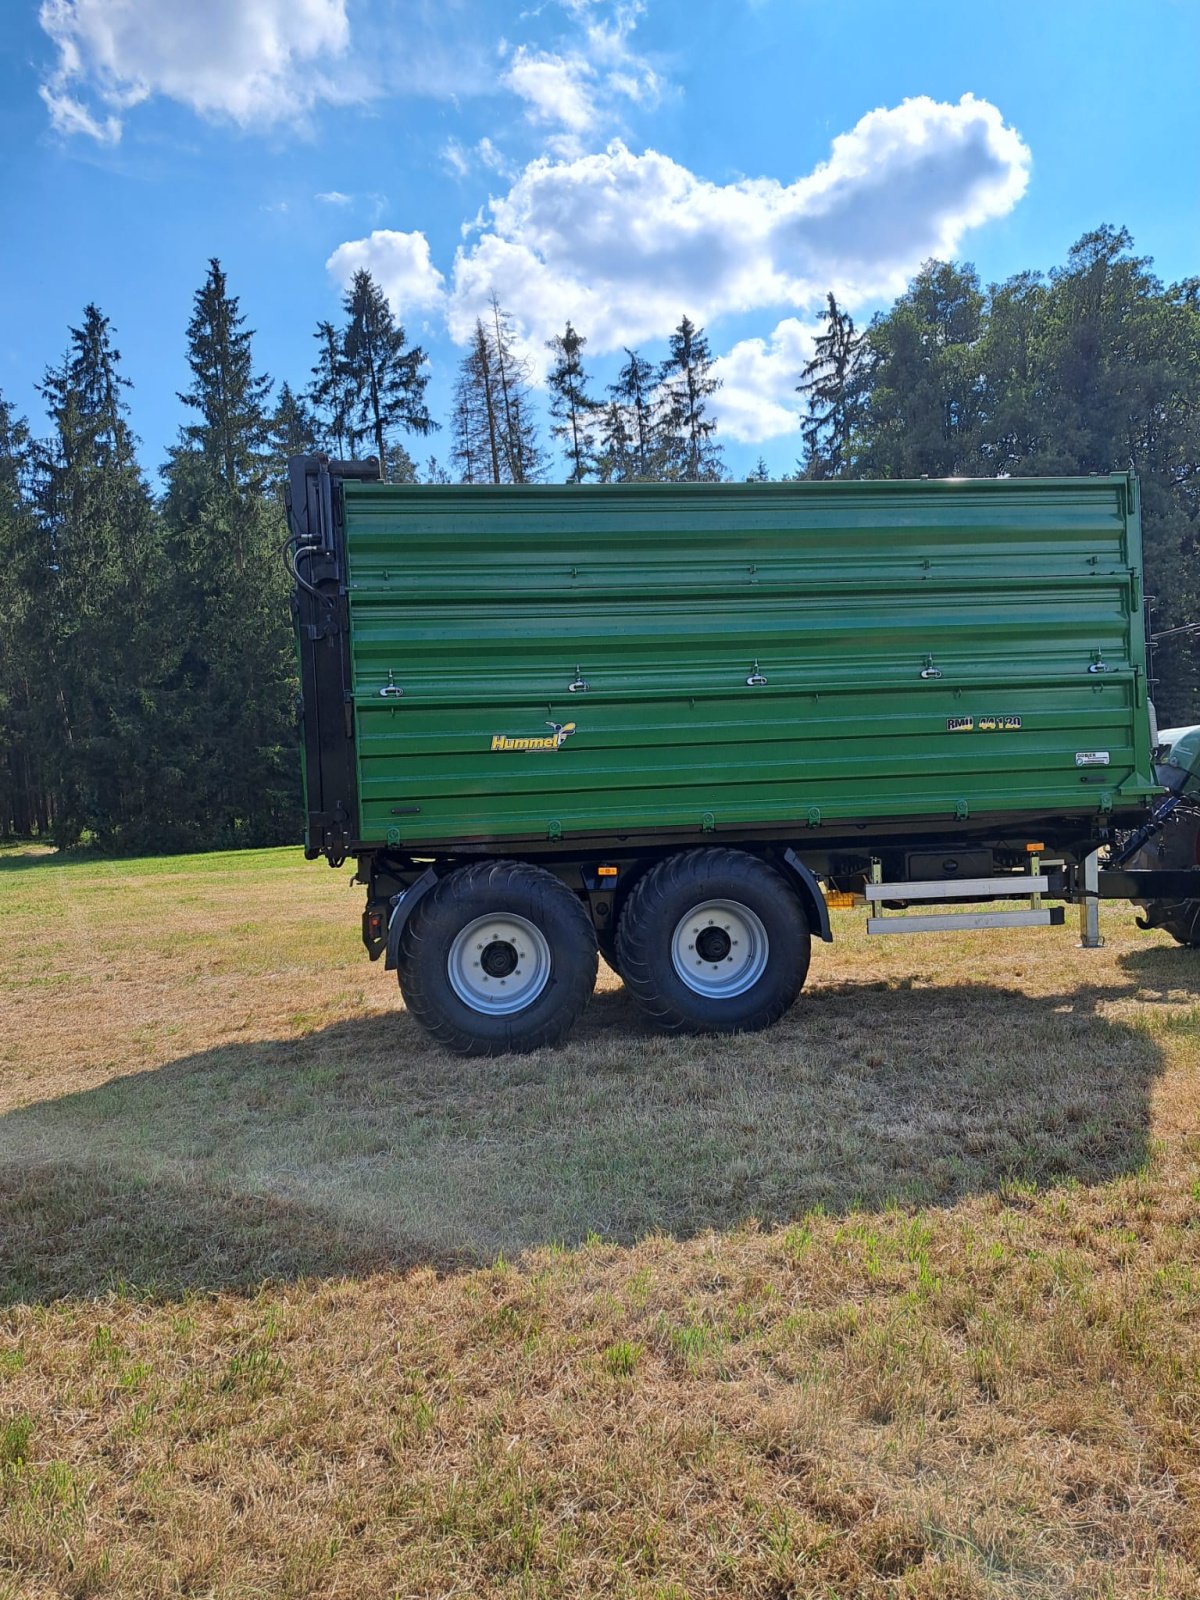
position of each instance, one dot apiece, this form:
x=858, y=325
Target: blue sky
x=615, y=162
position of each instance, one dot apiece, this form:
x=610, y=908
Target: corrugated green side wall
x=483, y=605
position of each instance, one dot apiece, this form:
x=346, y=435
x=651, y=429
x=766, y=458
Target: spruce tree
x=25, y=802
x=522, y=458
x=294, y=428
x=330, y=395
x=230, y=438
x=466, y=450
x=636, y=440
x=476, y=446
x=572, y=407
x=689, y=432
x=493, y=428
x=832, y=382
x=384, y=376
x=614, y=453
x=96, y=638
x=234, y=687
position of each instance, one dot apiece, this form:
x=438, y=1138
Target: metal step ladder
x=1029, y=886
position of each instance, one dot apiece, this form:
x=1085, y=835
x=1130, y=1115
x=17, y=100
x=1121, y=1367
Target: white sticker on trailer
x=1091, y=758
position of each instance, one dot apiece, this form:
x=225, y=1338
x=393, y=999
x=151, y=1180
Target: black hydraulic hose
x=1158, y=821
x=292, y=548
x=308, y=550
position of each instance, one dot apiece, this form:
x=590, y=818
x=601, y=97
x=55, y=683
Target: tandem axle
x=496, y=955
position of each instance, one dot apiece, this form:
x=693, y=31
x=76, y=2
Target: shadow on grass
x=1166, y=966
x=24, y=858
x=359, y=1145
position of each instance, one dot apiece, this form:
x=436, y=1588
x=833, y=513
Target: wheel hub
x=720, y=949
x=498, y=964
x=713, y=944
x=499, y=959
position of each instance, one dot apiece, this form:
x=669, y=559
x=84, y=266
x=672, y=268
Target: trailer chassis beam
x=1182, y=884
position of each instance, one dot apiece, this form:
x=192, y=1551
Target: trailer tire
x=498, y=957
x=756, y=952
x=1177, y=846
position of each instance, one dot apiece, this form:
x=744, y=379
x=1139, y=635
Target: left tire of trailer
x=497, y=957
x=713, y=941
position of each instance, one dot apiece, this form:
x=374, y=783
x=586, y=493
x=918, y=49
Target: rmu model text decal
x=982, y=724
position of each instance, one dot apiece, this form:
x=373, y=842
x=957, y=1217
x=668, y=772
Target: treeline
x=653, y=425
x=147, y=684
x=147, y=677
x=147, y=670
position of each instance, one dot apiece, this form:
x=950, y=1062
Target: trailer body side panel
x=537, y=663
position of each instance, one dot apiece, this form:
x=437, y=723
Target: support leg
x=1089, y=908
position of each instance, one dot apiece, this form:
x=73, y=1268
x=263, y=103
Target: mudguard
x=402, y=909
x=810, y=893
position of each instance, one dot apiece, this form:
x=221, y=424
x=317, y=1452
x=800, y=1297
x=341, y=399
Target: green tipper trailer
x=666, y=721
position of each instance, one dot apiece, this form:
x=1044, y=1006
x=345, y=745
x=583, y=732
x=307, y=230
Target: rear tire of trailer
x=713, y=941
x=1177, y=847
x=497, y=957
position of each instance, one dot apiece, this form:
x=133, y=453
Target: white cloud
x=491, y=157
x=608, y=47
x=462, y=161
x=575, y=91
x=264, y=62
x=68, y=115
x=245, y=61
x=400, y=264
x=624, y=243
x=557, y=89
x=335, y=197
x=757, y=399
x=456, y=158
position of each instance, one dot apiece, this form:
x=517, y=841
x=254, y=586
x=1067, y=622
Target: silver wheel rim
x=498, y=964
x=720, y=949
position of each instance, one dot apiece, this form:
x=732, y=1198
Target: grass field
x=899, y=1299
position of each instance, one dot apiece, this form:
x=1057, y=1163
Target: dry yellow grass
x=900, y=1299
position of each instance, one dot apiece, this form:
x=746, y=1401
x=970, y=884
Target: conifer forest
x=148, y=695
